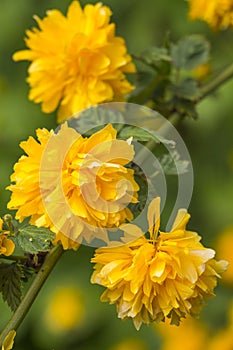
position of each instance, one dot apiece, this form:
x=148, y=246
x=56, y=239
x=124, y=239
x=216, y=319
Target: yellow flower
x=168, y=275
x=191, y=335
x=65, y=310
x=6, y=245
x=222, y=340
x=224, y=249
x=130, y=344
x=75, y=186
x=202, y=71
x=217, y=13
x=9, y=340
x=77, y=61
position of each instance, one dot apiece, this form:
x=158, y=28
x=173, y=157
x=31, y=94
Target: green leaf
x=28, y=272
x=154, y=54
x=172, y=164
x=10, y=284
x=93, y=119
x=34, y=239
x=143, y=135
x=190, y=52
x=187, y=89
x=186, y=108
x=144, y=81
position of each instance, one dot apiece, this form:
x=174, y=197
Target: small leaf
x=186, y=108
x=143, y=135
x=190, y=52
x=172, y=164
x=94, y=118
x=10, y=284
x=154, y=54
x=34, y=239
x=187, y=89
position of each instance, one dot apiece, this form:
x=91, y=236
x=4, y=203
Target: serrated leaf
x=190, y=52
x=172, y=164
x=187, y=89
x=34, y=239
x=93, y=119
x=143, y=135
x=10, y=284
x=154, y=54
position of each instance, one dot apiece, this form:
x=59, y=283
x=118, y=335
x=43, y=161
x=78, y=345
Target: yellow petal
x=131, y=231
x=9, y=340
x=9, y=245
x=181, y=220
x=154, y=216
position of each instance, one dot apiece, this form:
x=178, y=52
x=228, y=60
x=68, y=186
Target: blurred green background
x=90, y=324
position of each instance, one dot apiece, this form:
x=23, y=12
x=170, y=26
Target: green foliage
x=10, y=283
x=154, y=55
x=34, y=239
x=186, y=108
x=143, y=135
x=143, y=86
x=93, y=119
x=187, y=89
x=190, y=52
x=172, y=164
x=169, y=85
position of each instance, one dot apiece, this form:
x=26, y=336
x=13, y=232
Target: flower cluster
x=217, y=13
x=84, y=67
x=168, y=275
x=82, y=187
x=84, y=179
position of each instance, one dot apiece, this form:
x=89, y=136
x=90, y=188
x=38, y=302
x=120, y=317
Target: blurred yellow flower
x=9, y=340
x=169, y=275
x=7, y=247
x=217, y=13
x=130, y=344
x=73, y=185
x=77, y=60
x=65, y=310
x=190, y=335
x=202, y=71
x=222, y=340
x=224, y=248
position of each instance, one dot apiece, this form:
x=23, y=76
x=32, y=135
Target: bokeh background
x=68, y=313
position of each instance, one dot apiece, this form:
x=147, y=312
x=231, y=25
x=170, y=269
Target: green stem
x=28, y=299
x=14, y=257
x=221, y=78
